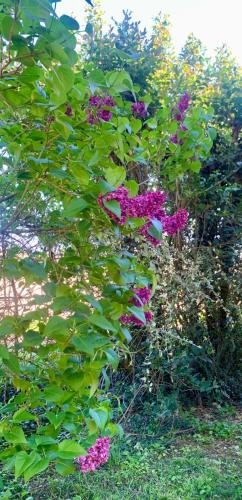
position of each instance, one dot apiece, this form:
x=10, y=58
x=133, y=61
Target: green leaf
x=115, y=175
x=22, y=462
x=96, y=79
x=15, y=435
x=69, y=22
x=120, y=81
x=37, y=467
x=195, y=166
x=124, y=124
x=62, y=80
x=89, y=29
x=138, y=313
x=212, y=133
x=10, y=27
x=156, y=229
x=44, y=440
x=4, y=353
x=55, y=394
x=93, y=381
x=112, y=358
x=22, y=415
x=65, y=468
x=32, y=338
x=12, y=363
x=55, y=420
x=40, y=161
x=136, y=125
x=75, y=380
x=80, y=175
x=75, y=207
x=56, y=325
x=102, y=322
x=113, y=206
x=31, y=74
x=89, y=343
x=152, y=123
x=7, y=326
x=100, y=417
x=114, y=430
x=94, y=303
x=69, y=449
x=132, y=187
x=35, y=269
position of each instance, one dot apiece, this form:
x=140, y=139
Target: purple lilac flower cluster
x=182, y=107
x=141, y=297
x=179, y=115
x=139, y=109
x=121, y=196
x=148, y=205
x=97, y=455
x=132, y=320
x=97, y=111
x=144, y=205
x=170, y=225
x=68, y=111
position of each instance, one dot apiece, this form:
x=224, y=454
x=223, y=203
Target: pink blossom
x=174, y=138
x=96, y=110
x=182, y=107
x=91, y=117
x=50, y=118
x=131, y=319
x=146, y=205
x=121, y=196
x=139, y=109
x=105, y=115
x=179, y=117
x=108, y=101
x=184, y=102
x=170, y=224
x=149, y=205
x=68, y=111
x=98, y=101
x=95, y=101
x=141, y=296
x=97, y=455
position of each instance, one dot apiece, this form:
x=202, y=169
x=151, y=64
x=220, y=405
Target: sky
x=213, y=21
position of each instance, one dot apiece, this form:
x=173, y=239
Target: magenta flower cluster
x=182, y=107
x=174, y=138
x=170, y=224
x=132, y=320
x=179, y=115
x=144, y=205
x=97, y=455
x=68, y=111
x=139, y=109
x=141, y=297
x=121, y=196
x=97, y=111
x=148, y=205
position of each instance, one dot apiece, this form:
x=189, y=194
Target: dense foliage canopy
x=90, y=141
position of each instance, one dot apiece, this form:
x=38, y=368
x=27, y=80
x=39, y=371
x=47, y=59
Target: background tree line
x=193, y=350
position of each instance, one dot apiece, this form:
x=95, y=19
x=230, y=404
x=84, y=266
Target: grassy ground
x=204, y=464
